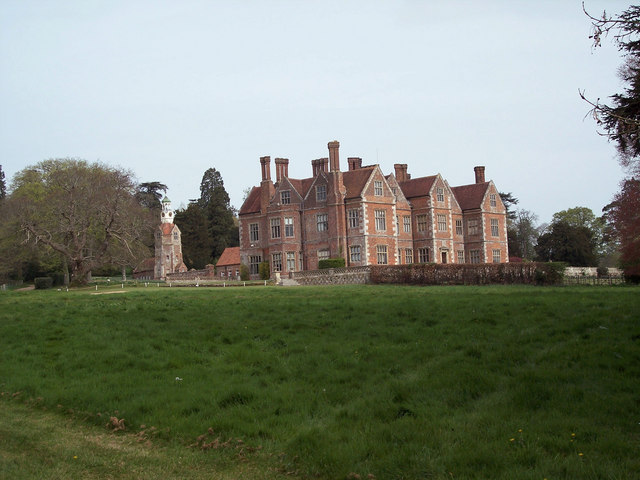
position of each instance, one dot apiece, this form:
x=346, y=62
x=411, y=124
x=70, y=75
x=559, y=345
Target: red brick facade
x=368, y=218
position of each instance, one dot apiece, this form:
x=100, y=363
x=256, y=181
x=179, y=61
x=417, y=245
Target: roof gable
x=470, y=197
x=356, y=180
x=417, y=187
x=252, y=202
x=230, y=256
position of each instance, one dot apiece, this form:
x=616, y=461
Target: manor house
x=368, y=218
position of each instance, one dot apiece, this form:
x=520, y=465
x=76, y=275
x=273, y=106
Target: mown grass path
x=392, y=382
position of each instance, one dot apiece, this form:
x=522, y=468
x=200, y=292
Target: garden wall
x=332, y=276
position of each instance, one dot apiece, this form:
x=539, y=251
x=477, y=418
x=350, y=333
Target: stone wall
x=209, y=273
x=333, y=276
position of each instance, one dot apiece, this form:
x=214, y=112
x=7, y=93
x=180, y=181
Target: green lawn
x=392, y=382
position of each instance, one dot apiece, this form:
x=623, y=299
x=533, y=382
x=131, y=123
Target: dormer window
x=321, y=193
x=285, y=197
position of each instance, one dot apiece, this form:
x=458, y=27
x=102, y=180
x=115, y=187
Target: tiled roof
x=252, y=203
x=355, y=180
x=167, y=228
x=470, y=196
x=148, y=264
x=417, y=187
x=301, y=186
x=230, y=256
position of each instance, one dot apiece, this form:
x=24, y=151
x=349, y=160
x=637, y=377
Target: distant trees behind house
x=208, y=224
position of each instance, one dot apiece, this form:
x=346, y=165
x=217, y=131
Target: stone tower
x=168, y=244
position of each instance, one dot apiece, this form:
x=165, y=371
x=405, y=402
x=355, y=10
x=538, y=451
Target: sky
x=168, y=89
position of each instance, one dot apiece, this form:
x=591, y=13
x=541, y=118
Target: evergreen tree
x=149, y=195
x=623, y=220
x=214, y=202
x=3, y=186
x=196, y=246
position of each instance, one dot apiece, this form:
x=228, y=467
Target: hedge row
x=470, y=274
x=337, y=262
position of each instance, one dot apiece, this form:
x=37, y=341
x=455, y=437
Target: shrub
x=244, y=272
x=602, y=272
x=42, y=283
x=264, y=270
x=337, y=262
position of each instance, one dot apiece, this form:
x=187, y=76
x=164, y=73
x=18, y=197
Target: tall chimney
x=323, y=164
x=479, y=174
x=266, y=168
x=282, y=168
x=334, y=157
x=401, y=172
x=354, y=163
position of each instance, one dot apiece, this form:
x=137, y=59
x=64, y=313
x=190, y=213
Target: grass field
x=382, y=382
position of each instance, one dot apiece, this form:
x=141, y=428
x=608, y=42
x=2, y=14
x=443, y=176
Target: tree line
x=72, y=218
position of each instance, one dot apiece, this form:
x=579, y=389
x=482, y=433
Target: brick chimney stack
x=282, y=168
x=479, y=174
x=334, y=156
x=401, y=172
x=354, y=163
x=319, y=165
x=265, y=162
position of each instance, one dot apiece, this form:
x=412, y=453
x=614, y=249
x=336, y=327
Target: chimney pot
x=401, y=172
x=354, y=163
x=334, y=156
x=282, y=168
x=265, y=162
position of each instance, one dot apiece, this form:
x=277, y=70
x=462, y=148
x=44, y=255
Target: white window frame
x=288, y=227
x=496, y=255
x=440, y=194
x=321, y=193
x=423, y=255
x=442, y=222
x=275, y=227
x=377, y=188
x=495, y=227
x=355, y=254
x=408, y=255
x=422, y=222
x=381, y=220
x=276, y=264
x=406, y=223
x=291, y=261
x=322, y=222
x=354, y=218
x=383, y=257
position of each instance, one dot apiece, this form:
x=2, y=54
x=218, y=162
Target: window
x=406, y=222
x=442, y=223
x=277, y=262
x=394, y=190
x=494, y=227
x=321, y=193
x=322, y=222
x=377, y=188
x=381, y=220
x=474, y=256
x=382, y=254
x=496, y=256
x=472, y=227
x=275, y=228
x=354, y=218
x=254, y=262
x=291, y=261
x=323, y=254
x=354, y=253
x=423, y=255
x=421, y=220
x=288, y=226
x=408, y=255
x=492, y=199
x=440, y=194
x=285, y=197
x=253, y=232
x=397, y=224
x=460, y=256
x=175, y=236
x=458, y=227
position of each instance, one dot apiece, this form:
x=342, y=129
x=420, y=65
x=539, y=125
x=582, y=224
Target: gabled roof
x=470, y=197
x=417, y=187
x=355, y=180
x=167, y=228
x=148, y=264
x=252, y=202
x=230, y=256
x=301, y=186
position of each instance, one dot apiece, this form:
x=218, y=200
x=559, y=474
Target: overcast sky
x=169, y=89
